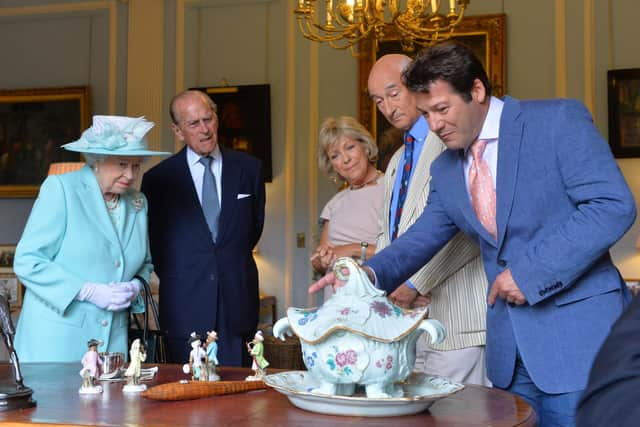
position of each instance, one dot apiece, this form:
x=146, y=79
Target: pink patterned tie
x=483, y=195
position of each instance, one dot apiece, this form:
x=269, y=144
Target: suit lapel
x=230, y=180
x=133, y=203
x=390, y=179
x=419, y=186
x=185, y=190
x=511, y=129
x=184, y=181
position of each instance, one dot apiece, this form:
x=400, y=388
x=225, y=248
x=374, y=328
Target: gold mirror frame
x=484, y=33
x=45, y=118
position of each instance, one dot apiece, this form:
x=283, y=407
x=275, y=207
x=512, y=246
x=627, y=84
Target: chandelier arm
x=318, y=33
x=348, y=24
x=421, y=28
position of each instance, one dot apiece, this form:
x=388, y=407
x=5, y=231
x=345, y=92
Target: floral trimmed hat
x=115, y=136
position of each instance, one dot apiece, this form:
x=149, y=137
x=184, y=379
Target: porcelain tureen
x=358, y=337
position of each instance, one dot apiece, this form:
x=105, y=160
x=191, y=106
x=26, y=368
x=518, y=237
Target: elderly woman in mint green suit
x=84, y=251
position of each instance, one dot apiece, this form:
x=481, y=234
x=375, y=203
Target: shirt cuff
x=375, y=278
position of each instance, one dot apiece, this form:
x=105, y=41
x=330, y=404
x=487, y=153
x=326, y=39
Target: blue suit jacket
x=69, y=240
x=196, y=275
x=561, y=203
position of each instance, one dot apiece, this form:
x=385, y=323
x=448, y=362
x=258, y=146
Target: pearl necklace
x=112, y=209
x=113, y=203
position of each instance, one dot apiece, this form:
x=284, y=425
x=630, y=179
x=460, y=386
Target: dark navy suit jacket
x=611, y=397
x=197, y=277
x=561, y=203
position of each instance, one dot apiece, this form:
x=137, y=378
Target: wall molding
x=289, y=160
x=145, y=65
x=222, y=3
x=312, y=162
x=611, y=56
x=589, y=55
x=89, y=6
x=561, y=48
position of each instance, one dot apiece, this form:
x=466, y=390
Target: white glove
x=134, y=286
x=112, y=297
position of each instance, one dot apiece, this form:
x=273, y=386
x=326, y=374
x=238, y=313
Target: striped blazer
x=455, y=276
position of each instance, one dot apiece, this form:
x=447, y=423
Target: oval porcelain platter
x=420, y=392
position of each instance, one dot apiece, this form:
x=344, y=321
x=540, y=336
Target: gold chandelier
x=344, y=23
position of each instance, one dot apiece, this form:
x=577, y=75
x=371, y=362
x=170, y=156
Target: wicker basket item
x=285, y=354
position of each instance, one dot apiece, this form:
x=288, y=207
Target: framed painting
x=485, y=34
x=244, y=115
x=7, y=253
x=624, y=112
x=34, y=123
x=12, y=288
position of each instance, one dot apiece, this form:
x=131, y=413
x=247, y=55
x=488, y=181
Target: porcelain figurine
x=197, y=359
x=358, y=337
x=212, y=355
x=91, y=369
x=137, y=355
x=256, y=350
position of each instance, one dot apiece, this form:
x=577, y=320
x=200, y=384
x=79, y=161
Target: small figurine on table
x=197, y=359
x=256, y=350
x=212, y=355
x=91, y=368
x=137, y=355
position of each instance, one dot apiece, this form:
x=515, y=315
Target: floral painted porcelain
x=358, y=337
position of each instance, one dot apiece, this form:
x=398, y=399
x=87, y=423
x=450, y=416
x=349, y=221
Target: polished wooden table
x=56, y=391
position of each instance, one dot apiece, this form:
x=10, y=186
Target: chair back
x=64, y=167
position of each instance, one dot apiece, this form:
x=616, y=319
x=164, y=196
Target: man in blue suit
x=559, y=203
x=206, y=213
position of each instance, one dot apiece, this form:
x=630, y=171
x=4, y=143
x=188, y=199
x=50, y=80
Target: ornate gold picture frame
x=485, y=34
x=13, y=289
x=10, y=285
x=624, y=112
x=34, y=123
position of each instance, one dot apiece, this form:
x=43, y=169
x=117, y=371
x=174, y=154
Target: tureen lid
x=357, y=307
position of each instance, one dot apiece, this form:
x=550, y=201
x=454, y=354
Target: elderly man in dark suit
x=206, y=213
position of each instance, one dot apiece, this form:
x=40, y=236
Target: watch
x=363, y=251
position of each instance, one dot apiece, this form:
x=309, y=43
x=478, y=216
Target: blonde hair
x=332, y=129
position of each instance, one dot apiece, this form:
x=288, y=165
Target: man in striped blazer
x=454, y=279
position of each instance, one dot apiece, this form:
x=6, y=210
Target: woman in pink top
x=351, y=219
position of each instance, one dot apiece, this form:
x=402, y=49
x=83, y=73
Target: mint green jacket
x=69, y=239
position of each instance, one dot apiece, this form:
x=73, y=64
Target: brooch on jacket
x=138, y=202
